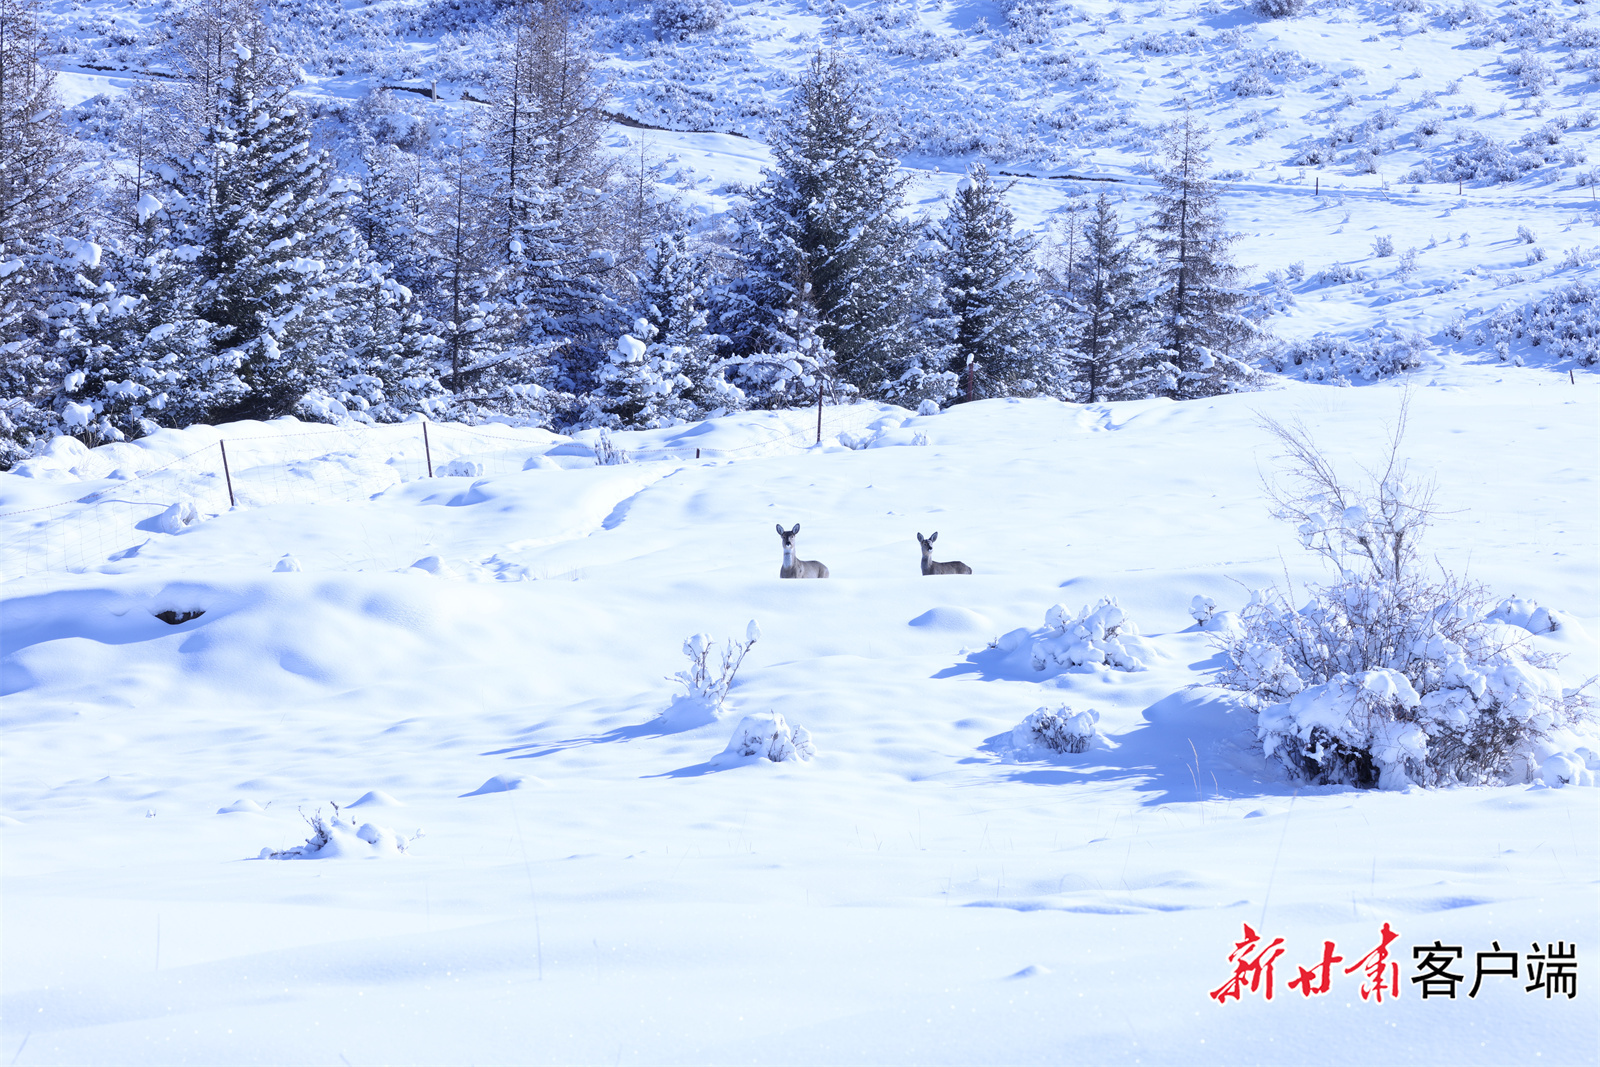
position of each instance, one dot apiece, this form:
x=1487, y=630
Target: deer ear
x=780, y=529
x=795, y=530
x=919, y=538
x=934, y=537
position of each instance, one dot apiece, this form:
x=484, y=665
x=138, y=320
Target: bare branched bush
x=607, y=453
x=1394, y=674
x=705, y=682
x=1379, y=524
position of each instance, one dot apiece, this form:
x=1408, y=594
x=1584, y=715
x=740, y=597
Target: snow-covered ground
x=917, y=892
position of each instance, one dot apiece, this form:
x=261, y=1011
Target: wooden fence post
x=232, y=503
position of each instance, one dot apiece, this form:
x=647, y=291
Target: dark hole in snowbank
x=176, y=618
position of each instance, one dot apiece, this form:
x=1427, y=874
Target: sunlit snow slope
x=913, y=894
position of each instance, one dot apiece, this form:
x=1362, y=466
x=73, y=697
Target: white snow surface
x=487, y=652
x=598, y=882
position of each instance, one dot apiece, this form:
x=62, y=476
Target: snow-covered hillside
x=1462, y=133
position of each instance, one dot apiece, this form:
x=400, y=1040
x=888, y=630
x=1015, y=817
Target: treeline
x=514, y=267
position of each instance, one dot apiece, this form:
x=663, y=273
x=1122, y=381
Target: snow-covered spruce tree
x=1109, y=313
x=41, y=189
x=393, y=210
x=1391, y=675
x=132, y=352
x=666, y=368
x=268, y=227
x=1001, y=317
x=384, y=364
x=549, y=173
x=43, y=195
x=1199, y=329
x=822, y=232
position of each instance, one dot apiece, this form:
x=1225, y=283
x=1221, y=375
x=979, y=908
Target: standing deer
x=797, y=568
x=955, y=566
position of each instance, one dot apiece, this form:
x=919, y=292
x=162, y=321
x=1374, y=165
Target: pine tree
x=1200, y=327
x=128, y=339
x=1001, y=315
x=672, y=372
x=549, y=172
x=278, y=262
x=392, y=211
x=43, y=198
x=823, y=244
x=1109, y=310
x=41, y=188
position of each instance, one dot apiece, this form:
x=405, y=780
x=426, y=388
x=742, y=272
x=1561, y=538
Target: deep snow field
x=912, y=894
x=915, y=893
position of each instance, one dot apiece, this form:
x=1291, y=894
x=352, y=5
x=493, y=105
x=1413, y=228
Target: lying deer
x=797, y=568
x=955, y=566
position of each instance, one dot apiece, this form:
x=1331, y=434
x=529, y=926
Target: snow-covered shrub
x=704, y=683
x=1055, y=730
x=1387, y=676
x=1094, y=637
x=1383, y=682
x=684, y=18
x=769, y=735
x=928, y=406
x=856, y=441
x=1483, y=157
x=1277, y=9
x=606, y=452
x=1207, y=616
x=1383, y=245
x=1565, y=321
x=1526, y=236
x=340, y=836
x=1532, y=72
x=1340, y=273
x=459, y=468
x=1252, y=83
x=1372, y=355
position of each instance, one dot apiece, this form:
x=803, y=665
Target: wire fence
x=338, y=465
